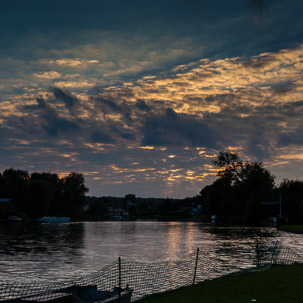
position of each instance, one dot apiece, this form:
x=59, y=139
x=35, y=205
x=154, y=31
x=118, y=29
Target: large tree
x=239, y=190
x=13, y=184
x=74, y=191
x=44, y=194
x=291, y=195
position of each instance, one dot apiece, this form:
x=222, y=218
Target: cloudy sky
x=140, y=96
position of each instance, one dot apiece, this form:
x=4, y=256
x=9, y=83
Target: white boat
x=14, y=219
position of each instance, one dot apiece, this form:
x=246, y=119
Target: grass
x=292, y=228
x=281, y=283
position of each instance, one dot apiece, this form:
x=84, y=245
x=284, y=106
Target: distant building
x=117, y=212
x=7, y=208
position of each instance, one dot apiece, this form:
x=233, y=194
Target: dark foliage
x=236, y=196
x=44, y=194
x=291, y=195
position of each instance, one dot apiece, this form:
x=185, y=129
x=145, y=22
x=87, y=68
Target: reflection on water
x=29, y=250
x=62, y=251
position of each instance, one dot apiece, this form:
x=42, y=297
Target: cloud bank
x=163, y=131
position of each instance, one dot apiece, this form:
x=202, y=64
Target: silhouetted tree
x=55, y=188
x=74, y=190
x=98, y=208
x=44, y=193
x=231, y=166
x=291, y=192
x=38, y=198
x=13, y=183
x=240, y=189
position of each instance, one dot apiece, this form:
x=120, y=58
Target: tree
x=55, y=188
x=239, y=190
x=38, y=200
x=231, y=166
x=44, y=194
x=291, y=192
x=215, y=198
x=13, y=183
x=74, y=190
x=98, y=208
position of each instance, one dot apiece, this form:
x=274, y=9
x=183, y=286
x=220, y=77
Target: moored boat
x=54, y=219
x=78, y=294
x=14, y=219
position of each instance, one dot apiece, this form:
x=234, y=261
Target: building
x=117, y=212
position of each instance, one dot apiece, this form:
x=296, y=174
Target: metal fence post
x=258, y=254
x=119, y=266
x=274, y=253
x=196, y=265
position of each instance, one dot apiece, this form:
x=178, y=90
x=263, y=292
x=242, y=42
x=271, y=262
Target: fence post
x=119, y=266
x=196, y=265
x=258, y=253
x=274, y=253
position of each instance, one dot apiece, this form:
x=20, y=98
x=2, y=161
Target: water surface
x=62, y=251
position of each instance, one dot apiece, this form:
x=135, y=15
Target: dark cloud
x=48, y=119
x=258, y=62
x=52, y=124
x=65, y=96
x=259, y=146
x=142, y=106
x=115, y=106
x=41, y=106
x=294, y=137
x=258, y=7
x=102, y=137
x=107, y=105
x=283, y=88
x=170, y=128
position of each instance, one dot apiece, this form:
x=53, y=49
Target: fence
x=125, y=281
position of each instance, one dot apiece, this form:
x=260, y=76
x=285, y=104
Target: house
x=7, y=208
x=117, y=212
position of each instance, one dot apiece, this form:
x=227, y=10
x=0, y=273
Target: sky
x=140, y=96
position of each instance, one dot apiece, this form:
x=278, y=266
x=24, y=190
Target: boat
x=54, y=219
x=78, y=294
x=14, y=219
x=90, y=294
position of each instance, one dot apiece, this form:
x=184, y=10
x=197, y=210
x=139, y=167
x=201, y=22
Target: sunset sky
x=140, y=96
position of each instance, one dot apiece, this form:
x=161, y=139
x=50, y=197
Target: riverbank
x=281, y=283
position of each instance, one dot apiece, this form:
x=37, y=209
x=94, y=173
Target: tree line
x=243, y=193
x=246, y=193
x=44, y=194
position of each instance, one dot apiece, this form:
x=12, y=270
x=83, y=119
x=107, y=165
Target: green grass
x=281, y=283
x=292, y=228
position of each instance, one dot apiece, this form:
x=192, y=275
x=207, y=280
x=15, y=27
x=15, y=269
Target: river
x=61, y=251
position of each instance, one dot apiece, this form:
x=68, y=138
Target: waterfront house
x=117, y=212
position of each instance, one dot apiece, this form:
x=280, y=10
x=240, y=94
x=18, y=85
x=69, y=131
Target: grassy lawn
x=281, y=283
x=292, y=228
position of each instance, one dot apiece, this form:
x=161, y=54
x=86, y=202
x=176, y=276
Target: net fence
x=127, y=281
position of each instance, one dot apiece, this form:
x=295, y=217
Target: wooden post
x=196, y=265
